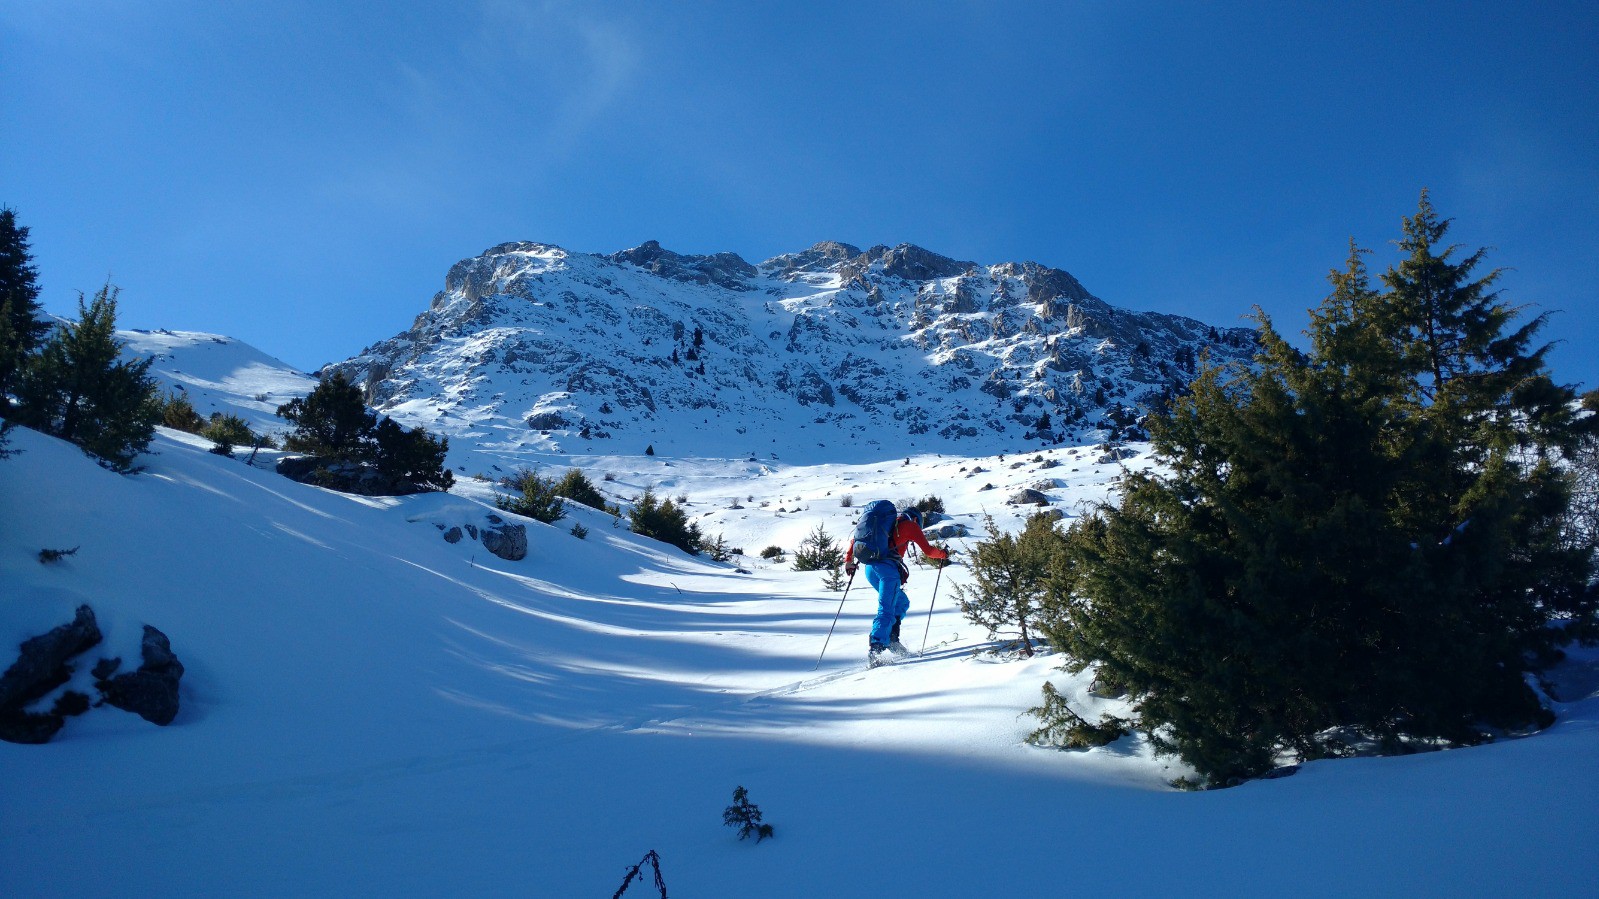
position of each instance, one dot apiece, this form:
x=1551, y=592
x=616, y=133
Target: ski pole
x=936, y=578
x=835, y=620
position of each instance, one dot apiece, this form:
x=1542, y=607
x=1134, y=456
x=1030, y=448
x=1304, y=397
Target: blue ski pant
x=892, y=603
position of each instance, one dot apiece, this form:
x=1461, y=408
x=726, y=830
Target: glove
x=850, y=569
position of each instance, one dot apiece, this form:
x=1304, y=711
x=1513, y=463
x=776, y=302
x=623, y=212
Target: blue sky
x=301, y=174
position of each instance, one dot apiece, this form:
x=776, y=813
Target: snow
x=369, y=710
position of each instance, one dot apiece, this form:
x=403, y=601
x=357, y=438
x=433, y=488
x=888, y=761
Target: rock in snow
x=47, y=661
x=151, y=692
x=43, y=665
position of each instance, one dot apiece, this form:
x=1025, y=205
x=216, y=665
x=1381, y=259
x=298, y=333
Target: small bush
x=579, y=531
x=227, y=431
x=575, y=486
x=664, y=521
x=746, y=816
x=717, y=549
x=775, y=553
x=46, y=556
x=1009, y=578
x=818, y=552
x=536, y=497
x=177, y=412
x=848, y=501
x=834, y=580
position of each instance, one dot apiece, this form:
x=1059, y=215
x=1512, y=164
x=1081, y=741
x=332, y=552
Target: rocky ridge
x=533, y=348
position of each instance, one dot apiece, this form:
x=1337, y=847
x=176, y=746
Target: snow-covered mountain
x=219, y=374
x=530, y=347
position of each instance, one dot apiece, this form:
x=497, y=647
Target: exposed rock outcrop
x=44, y=663
x=503, y=538
x=151, y=692
x=1028, y=497
x=345, y=477
x=49, y=660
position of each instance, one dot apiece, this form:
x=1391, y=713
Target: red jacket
x=905, y=533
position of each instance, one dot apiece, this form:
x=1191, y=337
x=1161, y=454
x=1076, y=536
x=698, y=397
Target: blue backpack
x=872, y=532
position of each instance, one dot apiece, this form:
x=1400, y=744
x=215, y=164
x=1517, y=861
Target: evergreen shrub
x=665, y=521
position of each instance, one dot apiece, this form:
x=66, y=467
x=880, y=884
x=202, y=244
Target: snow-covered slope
x=369, y=710
x=219, y=374
x=818, y=355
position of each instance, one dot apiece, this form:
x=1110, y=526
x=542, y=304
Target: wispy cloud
x=577, y=60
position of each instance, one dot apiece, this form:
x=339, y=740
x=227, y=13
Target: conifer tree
x=331, y=422
x=227, y=430
x=575, y=486
x=664, y=520
x=178, y=412
x=22, y=323
x=79, y=389
x=1010, y=574
x=818, y=552
x=1359, y=539
x=536, y=497
x=411, y=459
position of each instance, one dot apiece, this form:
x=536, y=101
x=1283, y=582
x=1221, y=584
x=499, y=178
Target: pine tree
x=79, y=389
x=746, y=816
x=411, y=459
x=178, y=412
x=22, y=324
x=536, y=497
x=226, y=431
x=331, y=422
x=1364, y=538
x=818, y=552
x=575, y=486
x=665, y=521
x=1009, y=577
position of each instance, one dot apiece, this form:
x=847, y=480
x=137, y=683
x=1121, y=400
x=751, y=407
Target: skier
x=888, y=574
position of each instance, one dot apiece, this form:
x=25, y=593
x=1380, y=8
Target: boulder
x=17, y=726
x=346, y=477
x=151, y=692
x=43, y=665
x=504, y=539
x=498, y=536
x=1028, y=497
x=547, y=421
x=1115, y=454
x=947, y=530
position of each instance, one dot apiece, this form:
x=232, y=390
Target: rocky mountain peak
x=828, y=347
x=722, y=269
x=909, y=262
x=826, y=256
